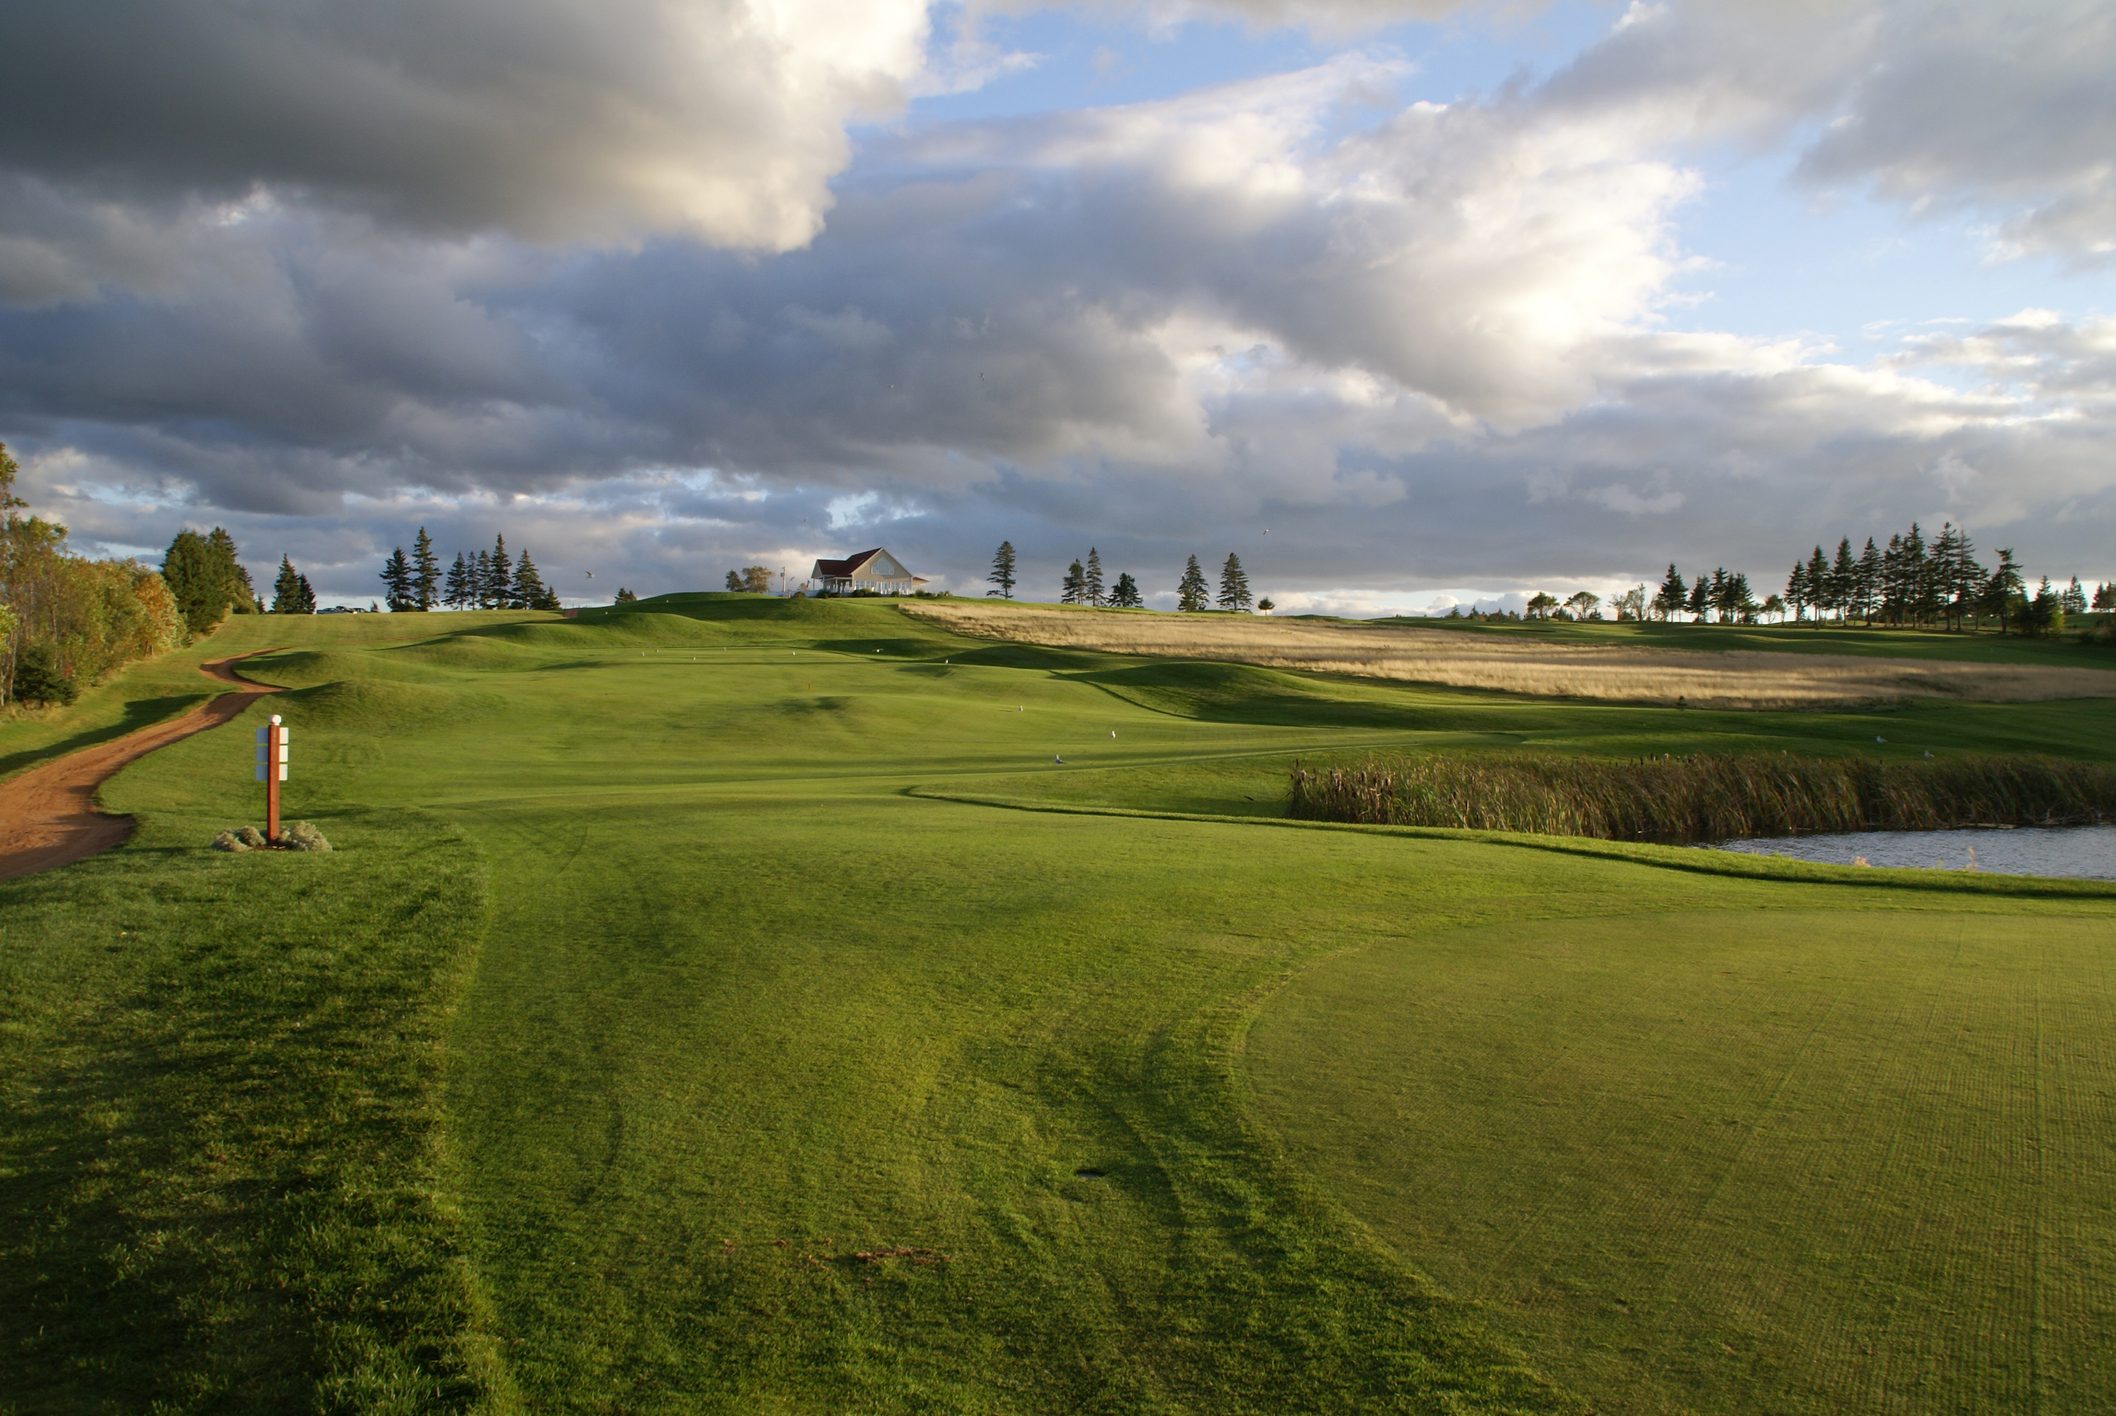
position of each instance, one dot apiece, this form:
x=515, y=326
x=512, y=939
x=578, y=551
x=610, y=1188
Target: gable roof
x=845, y=567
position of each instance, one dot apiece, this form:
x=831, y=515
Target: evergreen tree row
x=1084, y=584
x=488, y=580
x=1910, y=583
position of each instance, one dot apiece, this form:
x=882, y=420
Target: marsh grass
x=1702, y=797
x=1616, y=673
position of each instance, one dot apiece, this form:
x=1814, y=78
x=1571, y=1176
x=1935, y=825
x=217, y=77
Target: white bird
x=1113, y=733
x=1879, y=738
x=1057, y=759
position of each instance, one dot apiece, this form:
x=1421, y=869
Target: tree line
x=66, y=620
x=1084, y=584
x=1915, y=584
x=486, y=580
x=1910, y=583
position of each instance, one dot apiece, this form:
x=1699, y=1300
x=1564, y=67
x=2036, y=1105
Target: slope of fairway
x=1786, y=1160
x=658, y=1038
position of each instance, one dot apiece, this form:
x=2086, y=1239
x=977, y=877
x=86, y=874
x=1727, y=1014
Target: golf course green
x=739, y=1004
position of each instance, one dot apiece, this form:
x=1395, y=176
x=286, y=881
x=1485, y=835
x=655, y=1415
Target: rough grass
x=1626, y=672
x=1702, y=797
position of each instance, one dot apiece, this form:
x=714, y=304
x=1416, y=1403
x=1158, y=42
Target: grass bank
x=1703, y=797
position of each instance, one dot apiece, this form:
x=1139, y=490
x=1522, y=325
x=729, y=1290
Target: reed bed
x=1703, y=797
x=1651, y=674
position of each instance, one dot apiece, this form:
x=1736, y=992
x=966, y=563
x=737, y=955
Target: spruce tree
x=308, y=594
x=1092, y=585
x=242, y=595
x=1073, y=589
x=1672, y=595
x=286, y=590
x=499, y=571
x=1843, y=579
x=527, y=592
x=481, y=582
x=1700, y=605
x=1234, y=585
x=1965, y=579
x=1126, y=594
x=625, y=597
x=396, y=582
x=1191, y=590
x=425, y=573
x=1798, y=591
x=2005, y=594
x=1866, y=589
x=1003, y=571
x=457, y=591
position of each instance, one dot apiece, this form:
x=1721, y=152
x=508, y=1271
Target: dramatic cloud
x=545, y=118
x=2002, y=110
x=344, y=275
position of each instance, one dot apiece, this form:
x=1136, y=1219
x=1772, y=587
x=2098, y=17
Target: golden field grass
x=1610, y=673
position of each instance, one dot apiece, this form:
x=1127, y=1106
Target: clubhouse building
x=874, y=572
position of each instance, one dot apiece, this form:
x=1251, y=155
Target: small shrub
x=38, y=680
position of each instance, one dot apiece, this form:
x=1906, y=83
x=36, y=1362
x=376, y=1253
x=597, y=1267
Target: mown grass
x=714, y=1070
x=1780, y=1160
x=1702, y=797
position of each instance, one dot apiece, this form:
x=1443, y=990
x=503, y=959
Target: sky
x=1409, y=303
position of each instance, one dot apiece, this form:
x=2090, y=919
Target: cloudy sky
x=1406, y=301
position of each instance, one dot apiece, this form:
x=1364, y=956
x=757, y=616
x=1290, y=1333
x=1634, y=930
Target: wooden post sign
x=272, y=770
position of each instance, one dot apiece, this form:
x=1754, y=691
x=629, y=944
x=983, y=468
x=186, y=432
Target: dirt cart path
x=48, y=815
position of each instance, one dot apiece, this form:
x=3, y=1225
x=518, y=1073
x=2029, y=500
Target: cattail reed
x=1703, y=797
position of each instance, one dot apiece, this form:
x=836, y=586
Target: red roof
x=831, y=569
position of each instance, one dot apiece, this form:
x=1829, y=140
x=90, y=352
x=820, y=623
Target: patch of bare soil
x=48, y=815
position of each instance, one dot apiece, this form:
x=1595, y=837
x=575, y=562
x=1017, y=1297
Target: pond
x=2076, y=852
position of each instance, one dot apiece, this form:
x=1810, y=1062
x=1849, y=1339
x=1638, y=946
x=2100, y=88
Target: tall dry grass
x=1613, y=673
x=1703, y=797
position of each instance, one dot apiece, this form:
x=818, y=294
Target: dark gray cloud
x=545, y=118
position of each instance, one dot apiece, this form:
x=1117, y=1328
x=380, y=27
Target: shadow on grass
x=139, y=713
x=217, y=1092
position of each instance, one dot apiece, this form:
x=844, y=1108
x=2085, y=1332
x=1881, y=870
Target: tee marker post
x=272, y=770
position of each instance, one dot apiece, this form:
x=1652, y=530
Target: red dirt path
x=48, y=815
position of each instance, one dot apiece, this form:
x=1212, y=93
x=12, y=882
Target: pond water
x=2076, y=852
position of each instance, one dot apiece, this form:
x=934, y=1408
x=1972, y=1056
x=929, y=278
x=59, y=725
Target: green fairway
x=692, y=1018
